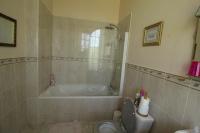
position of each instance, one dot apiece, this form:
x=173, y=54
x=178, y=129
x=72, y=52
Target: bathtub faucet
x=52, y=80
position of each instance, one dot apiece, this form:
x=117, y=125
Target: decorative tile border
x=45, y=58
x=16, y=60
x=8, y=61
x=83, y=59
x=35, y=59
x=184, y=81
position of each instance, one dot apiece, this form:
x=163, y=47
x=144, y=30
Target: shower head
x=111, y=27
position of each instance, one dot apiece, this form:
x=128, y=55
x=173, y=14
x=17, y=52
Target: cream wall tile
x=156, y=89
x=175, y=99
x=12, y=105
x=8, y=124
x=133, y=81
x=191, y=116
x=45, y=46
x=174, y=103
x=163, y=123
x=72, y=38
x=9, y=101
x=83, y=109
x=32, y=79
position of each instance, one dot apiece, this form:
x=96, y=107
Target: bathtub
x=65, y=103
x=78, y=90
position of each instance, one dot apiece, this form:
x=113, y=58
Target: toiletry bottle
x=139, y=94
x=137, y=98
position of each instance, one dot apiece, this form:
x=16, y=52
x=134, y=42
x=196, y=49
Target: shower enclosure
x=87, y=54
x=86, y=61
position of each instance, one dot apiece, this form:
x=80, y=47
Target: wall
x=12, y=71
x=124, y=26
x=80, y=109
x=12, y=95
x=27, y=74
x=125, y=8
x=45, y=46
x=38, y=52
x=19, y=83
x=175, y=53
x=48, y=4
x=174, y=103
x=97, y=10
x=83, y=51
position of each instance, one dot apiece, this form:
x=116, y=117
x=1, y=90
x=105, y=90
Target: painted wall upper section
x=125, y=8
x=97, y=10
x=175, y=53
x=48, y=4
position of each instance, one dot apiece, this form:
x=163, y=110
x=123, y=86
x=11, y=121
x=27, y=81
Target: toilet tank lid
x=128, y=117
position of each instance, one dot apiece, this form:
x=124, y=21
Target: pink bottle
x=194, y=69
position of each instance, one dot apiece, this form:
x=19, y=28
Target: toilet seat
x=130, y=122
x=108, y=127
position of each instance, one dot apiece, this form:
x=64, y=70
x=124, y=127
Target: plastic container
x=144, y=107
x=117, y=115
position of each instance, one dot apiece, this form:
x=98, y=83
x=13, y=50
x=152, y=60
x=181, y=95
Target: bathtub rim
x=41, y=96
x=84, y=97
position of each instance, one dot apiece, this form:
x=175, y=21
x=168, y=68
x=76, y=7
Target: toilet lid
x=107, y=127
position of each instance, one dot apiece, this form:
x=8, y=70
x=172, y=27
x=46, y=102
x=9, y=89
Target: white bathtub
x=64, y=103
x=78, y=90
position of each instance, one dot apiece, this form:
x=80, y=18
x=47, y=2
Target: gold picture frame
x=153, y=34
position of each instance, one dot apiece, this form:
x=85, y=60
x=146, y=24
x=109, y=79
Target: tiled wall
x=57, y=110
x=19, y=76
x=174, y=103
x=82, y=71
x=45, y=46
x=123, y=26
x=18, y=88
x=83, y=51
x=38, y=72
x=13, y=94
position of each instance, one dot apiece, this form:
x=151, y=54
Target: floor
x=71, y=127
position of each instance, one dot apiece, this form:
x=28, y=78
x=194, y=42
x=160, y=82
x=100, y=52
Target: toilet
x=131, y=122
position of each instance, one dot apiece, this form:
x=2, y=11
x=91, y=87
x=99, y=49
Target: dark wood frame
x=160, y=25
x=15, y=31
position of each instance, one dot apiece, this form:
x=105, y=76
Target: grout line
x=186, y=104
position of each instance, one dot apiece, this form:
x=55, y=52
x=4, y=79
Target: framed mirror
x=8, y=31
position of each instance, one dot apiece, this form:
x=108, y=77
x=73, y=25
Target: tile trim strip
x=183, y=81
x=83, y=59
x=8, y=61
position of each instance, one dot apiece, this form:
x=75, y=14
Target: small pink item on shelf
x=142, y=92
x=194, y=69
